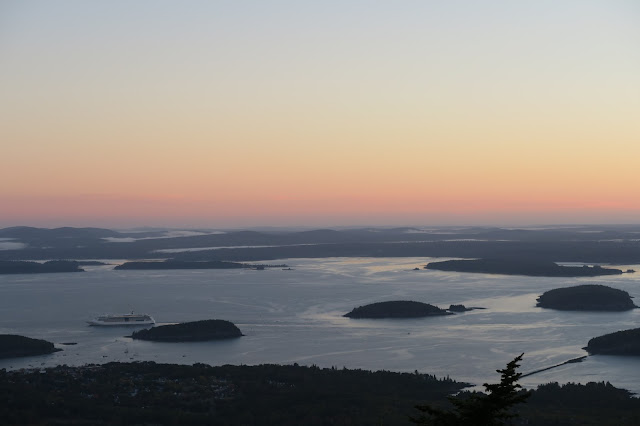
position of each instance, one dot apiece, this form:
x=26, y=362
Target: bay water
x=296, y=316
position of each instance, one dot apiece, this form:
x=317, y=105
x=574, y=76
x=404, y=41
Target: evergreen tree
x=480, y=409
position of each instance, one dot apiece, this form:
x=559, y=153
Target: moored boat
x=123, y=319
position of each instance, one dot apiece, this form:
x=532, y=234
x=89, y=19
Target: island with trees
x=519, y=266
x=625, y=342
x=183, y=264
x=462, y=308
x=26, y=267
x=589, y=297
x=194, y=331
x=396, y=309
x=176, y=264
x=13, y=346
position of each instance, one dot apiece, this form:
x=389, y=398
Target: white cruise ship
x=123, y=319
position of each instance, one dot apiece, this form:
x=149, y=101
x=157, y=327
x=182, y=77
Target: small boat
x=123, y=319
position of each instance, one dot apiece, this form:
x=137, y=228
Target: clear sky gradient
x=240, y=113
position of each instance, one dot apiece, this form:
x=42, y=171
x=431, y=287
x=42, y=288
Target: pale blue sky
x=526, y=100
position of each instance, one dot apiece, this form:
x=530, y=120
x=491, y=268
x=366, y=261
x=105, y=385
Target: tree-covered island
x=625, y=342
x=519, y=266
x=589, y=297
x=194, y=331
x=181, y=264
x=26, y=267
x=13, y=346
x=396, y=309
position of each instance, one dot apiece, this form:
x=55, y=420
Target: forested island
x=589, y=297
x=181, y=264
x=517, y=266
x=177, y=264
x=13, y=346
x=194, y=331
x=396, y=309
x=283, y=395
x=626, y=342
x=26, y=267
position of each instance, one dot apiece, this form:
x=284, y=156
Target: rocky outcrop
x=459, y=308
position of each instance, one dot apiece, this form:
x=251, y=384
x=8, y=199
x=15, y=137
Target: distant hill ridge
x=598, y=245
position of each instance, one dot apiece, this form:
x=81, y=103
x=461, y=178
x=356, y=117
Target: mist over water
x=296, y=316
x=9, y=244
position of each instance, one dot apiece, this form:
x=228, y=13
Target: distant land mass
x=590, y=244
x=179, y=264
x=194, y=331
x=13, y=346
x=176, y=264
x=24, y=267
x=91, y=263
x=513, y=266
x=146, y=393
x=626, y=342
x=396, y=309
x=589, y=297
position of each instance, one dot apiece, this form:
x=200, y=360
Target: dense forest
x=149, y=393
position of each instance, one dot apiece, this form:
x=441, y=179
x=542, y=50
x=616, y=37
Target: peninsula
x=184, y=264
x=195, y=331
x=626, y=342
x=515, y=266
x=13, y=346
x=396, y=309
x=590, y=297
x=177, y=264
x=25, y=267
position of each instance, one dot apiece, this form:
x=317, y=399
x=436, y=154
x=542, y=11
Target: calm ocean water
x=296, y=317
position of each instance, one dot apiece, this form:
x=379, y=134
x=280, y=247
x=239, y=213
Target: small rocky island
x=25, y=267
x=591, y=297
x=396, y=309
x=513, y=266
x=195, y=331
x=13, y=346
x=626, y=342
x=461, y=308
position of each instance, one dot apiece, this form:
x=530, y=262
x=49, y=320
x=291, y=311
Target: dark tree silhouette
x=480, y=409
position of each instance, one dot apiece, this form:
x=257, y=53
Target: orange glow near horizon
x=210, y=117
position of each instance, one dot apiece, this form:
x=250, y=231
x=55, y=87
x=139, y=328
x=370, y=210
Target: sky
x=235, y=113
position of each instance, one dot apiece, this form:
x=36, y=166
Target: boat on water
x=123, y=319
